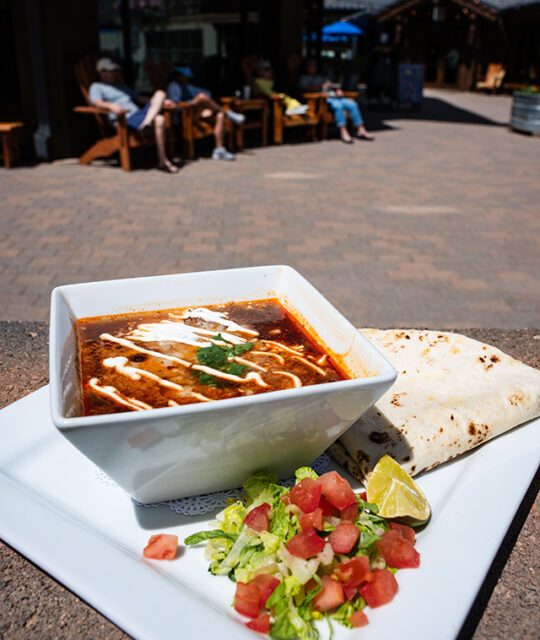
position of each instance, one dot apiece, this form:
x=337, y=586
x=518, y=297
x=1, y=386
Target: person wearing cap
x=141, y=114
x=180, y=89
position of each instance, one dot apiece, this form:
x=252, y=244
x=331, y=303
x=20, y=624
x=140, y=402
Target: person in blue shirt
x=180, y=89
x=141, y=113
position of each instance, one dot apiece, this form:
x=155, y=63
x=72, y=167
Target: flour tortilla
x=452, y=394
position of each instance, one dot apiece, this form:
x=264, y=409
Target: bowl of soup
x=184, y=384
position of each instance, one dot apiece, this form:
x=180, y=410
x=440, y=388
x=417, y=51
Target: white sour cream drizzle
x=270, y=354
x=282, y=346
x=178, y=331
x=296, y=380
x=252, y=375
x=114, y=394
x=310, y=364
x=201, y=313
x=120, y=364
x=167, y=331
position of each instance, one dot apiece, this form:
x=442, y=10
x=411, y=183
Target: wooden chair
x=257, y=108
x=159, y=72
x=119, y=139
x=282, y=121
x=324, y=110
x=494, y=78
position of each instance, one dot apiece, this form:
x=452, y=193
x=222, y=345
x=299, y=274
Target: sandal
x=362, y=136
x=168, y=168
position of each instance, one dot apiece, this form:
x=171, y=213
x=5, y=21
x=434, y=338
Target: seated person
x=311, y=81
x=263, y=86
x=179, y=89
x=141, y=113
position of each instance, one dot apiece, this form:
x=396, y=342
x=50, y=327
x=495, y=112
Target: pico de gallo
x=317, y=550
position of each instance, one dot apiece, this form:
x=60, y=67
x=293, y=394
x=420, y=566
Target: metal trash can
x=526, y=112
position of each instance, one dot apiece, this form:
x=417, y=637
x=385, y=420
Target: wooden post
x=125, y=156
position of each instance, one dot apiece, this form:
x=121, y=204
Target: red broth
x=154, y=359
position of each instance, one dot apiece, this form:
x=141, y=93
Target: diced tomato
x=354, y=571
x=363, y=496
x=358, y=619
x=331, y=595
x=313, y=519
x=305, y=544
x=350, y=592
x=404, y=530
x=266, y=584
x=350, y=513
x=380, y=589
x=397, y=551
x=344, y=537
x=337, y=490
x=261, y=623
x=247, y=599
x=327, y=508
x=257, y=519
x=161, y=547
x=306, y=494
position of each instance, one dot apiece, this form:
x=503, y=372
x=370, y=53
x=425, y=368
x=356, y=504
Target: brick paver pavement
x=435, y=224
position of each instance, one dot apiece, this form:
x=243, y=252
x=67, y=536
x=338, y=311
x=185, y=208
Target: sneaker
x=220, y=153
x=237, y=118
x=297, y=111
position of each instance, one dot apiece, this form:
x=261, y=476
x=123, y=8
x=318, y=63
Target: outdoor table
x=33, y=605
x=256, y=106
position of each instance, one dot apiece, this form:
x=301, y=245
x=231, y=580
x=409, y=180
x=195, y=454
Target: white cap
x=106, y=64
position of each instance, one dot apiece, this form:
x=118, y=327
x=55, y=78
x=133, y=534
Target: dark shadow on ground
x=432, y=109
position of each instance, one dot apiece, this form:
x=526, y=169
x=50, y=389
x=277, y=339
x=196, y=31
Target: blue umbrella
x=341, y=28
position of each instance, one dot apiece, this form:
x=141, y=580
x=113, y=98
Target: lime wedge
x=396, y=494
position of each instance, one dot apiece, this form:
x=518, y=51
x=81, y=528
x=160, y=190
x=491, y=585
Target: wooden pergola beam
x=475, y=6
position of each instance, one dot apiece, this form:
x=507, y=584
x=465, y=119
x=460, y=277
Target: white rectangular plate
x=89, y=536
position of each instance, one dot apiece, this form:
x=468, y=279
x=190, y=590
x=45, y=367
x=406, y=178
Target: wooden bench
x=9, y=132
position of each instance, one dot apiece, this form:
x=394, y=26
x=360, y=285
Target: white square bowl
x=173, y=452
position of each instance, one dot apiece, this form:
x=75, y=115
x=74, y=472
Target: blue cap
x=185, y=71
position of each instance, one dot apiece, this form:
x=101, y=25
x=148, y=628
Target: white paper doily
x=199, y=505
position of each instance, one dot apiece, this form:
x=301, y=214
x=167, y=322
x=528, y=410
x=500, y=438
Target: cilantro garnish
x=219, y=356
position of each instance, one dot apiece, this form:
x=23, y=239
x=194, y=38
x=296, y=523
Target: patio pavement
x=436, y=223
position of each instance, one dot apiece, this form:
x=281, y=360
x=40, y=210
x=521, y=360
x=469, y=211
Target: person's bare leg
x=219, y=130
x=202, y=101
x=345, y=135
x=159, y=129
x=156, y=103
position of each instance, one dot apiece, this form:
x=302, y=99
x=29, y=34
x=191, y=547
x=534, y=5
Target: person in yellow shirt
x=263, y=86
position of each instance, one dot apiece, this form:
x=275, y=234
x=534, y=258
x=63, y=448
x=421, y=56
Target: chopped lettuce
x=241, y=553
x=263, y=487
x=208, y=535
x=305, y=472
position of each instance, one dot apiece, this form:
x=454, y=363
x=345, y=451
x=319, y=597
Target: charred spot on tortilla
x=396, y=399
x=138, y=357
x=452, y=417
x=379, y=437
x=482, y=359
x=495, y=358
x=516, y=398
x=472, y=428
